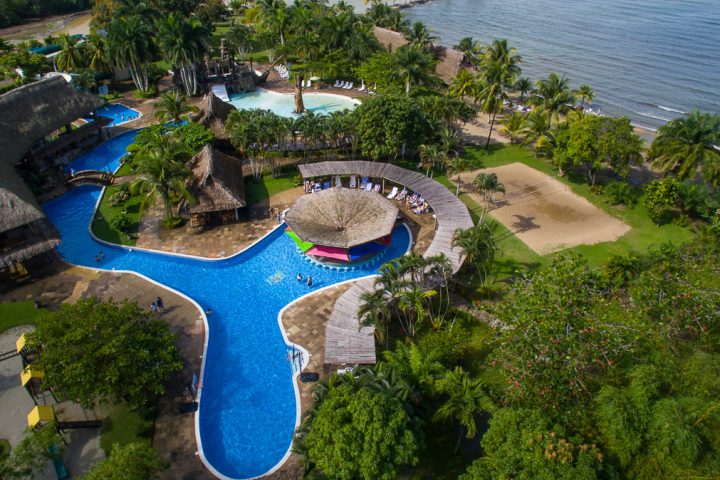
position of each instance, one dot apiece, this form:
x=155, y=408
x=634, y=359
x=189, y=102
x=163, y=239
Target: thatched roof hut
x=216, y=182
x=213, y=114
x=450, y=60
x=342, y=217
x=24, y=230
x=31, y=112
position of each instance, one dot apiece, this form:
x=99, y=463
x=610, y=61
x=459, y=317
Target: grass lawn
x=256, y=192
x=13, y=314
x=122, y=426
x=640, y=239
x=102, y=226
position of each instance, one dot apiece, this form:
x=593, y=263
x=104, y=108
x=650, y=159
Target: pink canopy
x=329, y=252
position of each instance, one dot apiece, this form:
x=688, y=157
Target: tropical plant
x=95, y=51
x=374, y=311
x=622, y=193
x=470, y=48
x=131, y=45
x=488, y=185
x=414, y=67
x=554, y=95
x=134, y=461
x=586, y=94
x=479, y=245
x=524, y=86
x=171, y=106
x=660, y=197
x=184, y=43
x=687, y=145
x=538, y=131
x=431, y=156
x=70, y=57
x=463, y=84
x=466, y=399
x=419, y=36
x=513, y=125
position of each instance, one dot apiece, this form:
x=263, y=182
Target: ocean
x=649, y=60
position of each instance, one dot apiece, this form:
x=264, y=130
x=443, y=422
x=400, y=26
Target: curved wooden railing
x=90, y=177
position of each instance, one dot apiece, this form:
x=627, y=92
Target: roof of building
x=213, y=114
x=216, y=182
x=450, y=61
x=34, y=111
x=342, y=217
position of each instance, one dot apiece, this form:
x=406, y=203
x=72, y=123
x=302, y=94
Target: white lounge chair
x=309, y=84
x=377, y=187
x=338, y=181
x=368, y=187
x=337, y=84
x=350, y=86
x=401, y=196
x=362, y=88
x=353, y=181
x=393, y=193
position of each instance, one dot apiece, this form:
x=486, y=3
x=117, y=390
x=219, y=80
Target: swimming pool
x=118, y=112
x=283, y=104
x=106, y=156
x=248, y=410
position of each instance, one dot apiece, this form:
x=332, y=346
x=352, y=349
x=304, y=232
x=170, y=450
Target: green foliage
x=136, y=461
x=362, y=434
x=102, y=225
x=97, y=351
x=123, y=425
x=121, y=222
x=387, y=123
x=13, y=314
x=525, y=444
x=660, y=198
x=31, y=455
x=120, y=198
x=622, y=193
x=31, y=64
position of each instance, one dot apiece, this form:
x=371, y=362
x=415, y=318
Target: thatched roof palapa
x=450, y=60
x=342, y=217
x=213, y=114
x=216, y=182
x=18, y=208
x=34, y=111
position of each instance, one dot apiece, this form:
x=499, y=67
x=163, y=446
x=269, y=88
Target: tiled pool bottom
x=118, y=113
x=248, y=408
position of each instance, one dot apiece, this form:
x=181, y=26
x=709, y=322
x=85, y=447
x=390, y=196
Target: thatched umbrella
x=215, y=182
x=342, y=217
x=213, y=114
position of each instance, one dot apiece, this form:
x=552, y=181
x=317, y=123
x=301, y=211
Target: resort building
x=27, y=239
x=47, y=123
x=213, y=114
x=217, y=186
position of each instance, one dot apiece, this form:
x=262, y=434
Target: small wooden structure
x=346, y=340
x=213, y=114
x=218, y=187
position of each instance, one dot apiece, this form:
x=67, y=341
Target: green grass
x=101, y=225
x=125, y=170
x=13, y=314
x=643, y=234
x=122, y=426
x=258, y=191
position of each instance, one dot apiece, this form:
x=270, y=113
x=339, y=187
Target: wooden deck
x=346, y=341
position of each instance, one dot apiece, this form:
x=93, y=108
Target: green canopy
x=303, y=246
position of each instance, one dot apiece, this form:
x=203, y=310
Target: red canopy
x=329, y=252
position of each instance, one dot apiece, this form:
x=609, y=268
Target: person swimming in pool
x=309, y=281
x=299, y=277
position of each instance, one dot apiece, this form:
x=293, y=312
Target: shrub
x=622, y=193
x=172, y=222
x=121, y=222
x=119, y=198
x=660, y=198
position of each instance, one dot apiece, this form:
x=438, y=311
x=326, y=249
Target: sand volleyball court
x=544, y=213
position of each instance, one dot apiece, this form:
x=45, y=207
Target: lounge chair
x=309, y=84
x=392, y=193
x=362, y=87
x=412, y=199
x=326, y=185
x=376, y=188
x=338, y=181
x=368, y=187
x=337, y=84
x=353, y=181
x=364, y=181
x=401, y=196
x=302, y=84
x=349, y=87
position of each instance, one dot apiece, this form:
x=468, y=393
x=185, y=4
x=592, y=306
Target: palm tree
x=470, y=48
x=162, y=169
x=458, y=165
x=414, y=67
x=538, y=131
x=171, y=106
x=466, y=399
x=554, y=95
x=686, y=145
x=238, y=38
x=374, y=311
x=480, y=247
x=524, y=86
x=463, y=84
x=419, y=36
x=491, y=95
x=585, y=93
x=430, y=156
x=131, y=46
x=512, y=125
x=414, y=364
x=449, y=141
x=488, y=185
x=70, y=57
x=274, y=16
x=184, y=43
x=95, y=51
x=411, y=304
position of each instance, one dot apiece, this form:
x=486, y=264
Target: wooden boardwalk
x=346, y=341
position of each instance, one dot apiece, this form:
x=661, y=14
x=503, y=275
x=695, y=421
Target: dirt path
x=38, y=29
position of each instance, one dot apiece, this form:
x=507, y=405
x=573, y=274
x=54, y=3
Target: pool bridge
x=346, y=340
x=90, y=177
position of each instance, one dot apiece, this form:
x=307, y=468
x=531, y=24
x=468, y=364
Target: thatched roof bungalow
x=25, y=232
x=217, y=185
x=450, y=60
x=32, y=112
x=213, y=114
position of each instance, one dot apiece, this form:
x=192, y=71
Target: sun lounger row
x=345, y=85
x=305, y=84
x=283, y=71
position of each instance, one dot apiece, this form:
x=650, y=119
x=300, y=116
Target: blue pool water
x=118, y=112
x=248, y=412
x=283, y=104
x=106, y=157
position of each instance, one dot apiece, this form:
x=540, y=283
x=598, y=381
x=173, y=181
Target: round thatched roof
x=342, y=217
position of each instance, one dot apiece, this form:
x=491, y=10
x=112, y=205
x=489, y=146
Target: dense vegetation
x=16, y=11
